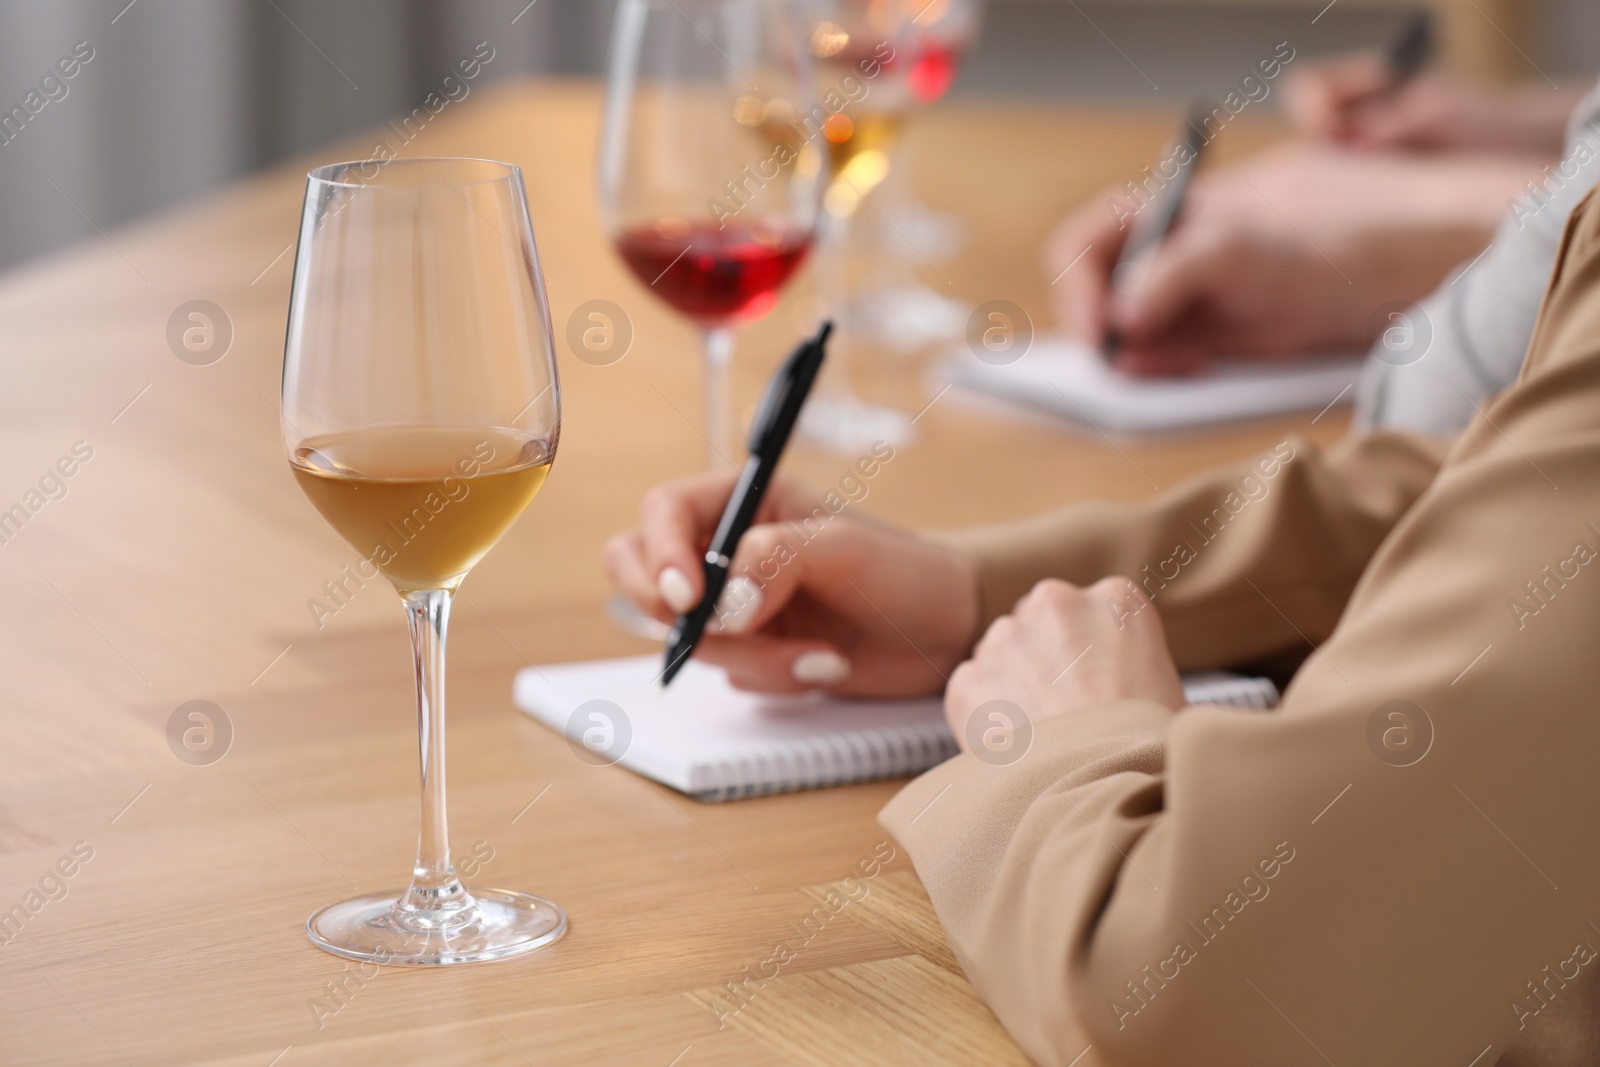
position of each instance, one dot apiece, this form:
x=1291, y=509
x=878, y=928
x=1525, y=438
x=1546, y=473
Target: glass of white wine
x=421, y=413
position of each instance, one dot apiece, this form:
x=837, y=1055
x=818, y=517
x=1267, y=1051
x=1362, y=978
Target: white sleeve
x=1466, y=340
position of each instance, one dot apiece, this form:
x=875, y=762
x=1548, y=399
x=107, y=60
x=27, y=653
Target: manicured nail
x=676, y=590
x=820, y=668
x=738, y=605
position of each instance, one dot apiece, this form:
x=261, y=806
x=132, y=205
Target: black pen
x=1151, y=226
x=769, y=435
x=1408, y=55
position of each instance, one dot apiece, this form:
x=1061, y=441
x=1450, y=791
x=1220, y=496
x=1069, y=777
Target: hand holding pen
x=1379, y=98
x=814, y=594
x=769, y=435
x=1402, y=61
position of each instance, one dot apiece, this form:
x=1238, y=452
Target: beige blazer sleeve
x=1400, y=866
x=1243, y=562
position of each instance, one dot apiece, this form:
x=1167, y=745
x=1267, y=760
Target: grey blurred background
x=182, y=95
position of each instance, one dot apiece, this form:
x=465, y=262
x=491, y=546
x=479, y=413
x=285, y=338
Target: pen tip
x=822, y=334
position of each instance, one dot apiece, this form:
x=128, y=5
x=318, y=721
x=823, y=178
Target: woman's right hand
x=1289, y=252
x=818, y=597
x=1346, y=99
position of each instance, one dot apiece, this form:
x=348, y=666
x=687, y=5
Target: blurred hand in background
x=1287, y=253
x=1344, y=100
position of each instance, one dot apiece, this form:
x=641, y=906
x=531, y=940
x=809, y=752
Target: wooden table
x=178, y=566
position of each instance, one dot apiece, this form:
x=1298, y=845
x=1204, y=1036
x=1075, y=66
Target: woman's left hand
x=1066, y=647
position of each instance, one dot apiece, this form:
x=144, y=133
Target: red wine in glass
x=934, y=71
x=691, y=121
x=717, y=274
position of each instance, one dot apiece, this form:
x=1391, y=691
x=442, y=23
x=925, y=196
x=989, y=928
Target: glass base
x=497, y=924
x=911, y=317
x=629, y=619
x=847, y=424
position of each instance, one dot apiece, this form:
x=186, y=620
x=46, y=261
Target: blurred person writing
x=1348, y=100
x=1395, y=867
x=1319, y=244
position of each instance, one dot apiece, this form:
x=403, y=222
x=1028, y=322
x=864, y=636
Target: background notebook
x=705, y=738
x=1071, y=379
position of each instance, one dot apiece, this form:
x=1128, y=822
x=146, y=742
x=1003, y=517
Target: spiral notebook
x=1074, y=381
x=704, y=738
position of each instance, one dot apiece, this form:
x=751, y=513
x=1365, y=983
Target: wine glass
x=861, y=41
x=942, y=32
x=859, y=48
x=421, y=414
x=710, y=183
x=897, y=309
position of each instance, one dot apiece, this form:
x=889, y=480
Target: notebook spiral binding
x=845, y=759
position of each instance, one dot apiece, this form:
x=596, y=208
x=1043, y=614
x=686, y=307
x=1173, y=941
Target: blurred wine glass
x=875, y=59
x=710, y=189
x=941, y=33
x=893, y=306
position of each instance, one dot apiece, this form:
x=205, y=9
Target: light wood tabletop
x=176, y=563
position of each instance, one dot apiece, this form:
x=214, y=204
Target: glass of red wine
x=941, y=33
x=712, y=167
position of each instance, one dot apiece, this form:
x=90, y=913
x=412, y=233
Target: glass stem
x=834, y=286
x=436, y=897
x=718, y=345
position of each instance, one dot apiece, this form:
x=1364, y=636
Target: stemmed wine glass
x=711, y=170
x=894, y=307
x=860, y=51
x=942, y=32
x=421, y=414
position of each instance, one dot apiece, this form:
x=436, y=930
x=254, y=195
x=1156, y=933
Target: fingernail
x=738, y=605
x=820, y=668
x=676, y=590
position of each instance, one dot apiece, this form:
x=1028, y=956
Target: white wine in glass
x=858, y=49
x=421, y=414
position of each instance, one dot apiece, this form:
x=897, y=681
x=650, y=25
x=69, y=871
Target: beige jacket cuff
x=960, y=819
x=1242, y=563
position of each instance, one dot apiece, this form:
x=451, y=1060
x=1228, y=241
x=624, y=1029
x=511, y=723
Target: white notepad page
x=704, y=738
x=1072, y=380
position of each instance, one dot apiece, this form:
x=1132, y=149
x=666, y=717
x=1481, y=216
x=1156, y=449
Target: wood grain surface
x=177, y=562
